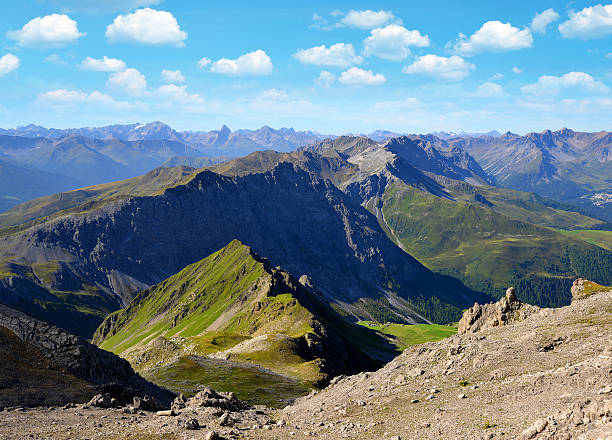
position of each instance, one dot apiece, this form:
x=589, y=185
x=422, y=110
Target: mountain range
x=566, y=165
x=348, y=213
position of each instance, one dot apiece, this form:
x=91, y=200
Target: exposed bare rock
x=507, y=310
x=110, y=374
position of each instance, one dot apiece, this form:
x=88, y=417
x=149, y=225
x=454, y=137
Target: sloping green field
x=408, y=335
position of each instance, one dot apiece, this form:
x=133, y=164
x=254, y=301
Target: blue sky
x=335, y=67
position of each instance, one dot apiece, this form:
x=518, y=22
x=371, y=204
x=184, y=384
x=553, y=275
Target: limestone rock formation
x=507, y=310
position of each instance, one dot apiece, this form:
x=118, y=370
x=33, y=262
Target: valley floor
x=547, y=377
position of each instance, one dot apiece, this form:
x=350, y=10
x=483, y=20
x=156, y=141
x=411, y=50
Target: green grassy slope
x=408, y=335
x=488, y=250
x=599, y=238
x=527, y=207
x=231, y=298
x=85, y=199
x=53, y=293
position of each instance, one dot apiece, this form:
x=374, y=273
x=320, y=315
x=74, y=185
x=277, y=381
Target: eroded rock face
x=507, y=310
x=79, y=357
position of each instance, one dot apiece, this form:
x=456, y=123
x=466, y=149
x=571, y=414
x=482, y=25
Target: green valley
x=490, y=245
x=234, y=309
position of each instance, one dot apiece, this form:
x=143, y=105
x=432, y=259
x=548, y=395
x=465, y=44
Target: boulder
x=102, y=401
x=147, y=403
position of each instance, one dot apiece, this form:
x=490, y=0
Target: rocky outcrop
x=80, y=358
x=507, y=310
x=582, y=288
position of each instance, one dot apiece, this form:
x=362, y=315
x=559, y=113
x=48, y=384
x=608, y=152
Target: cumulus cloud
x=591, y=22
x=274, y=94
x=497, y=76
x=8, y=64
x=357, y=76
x=129, y=82
x=393, y=42
x=489, y=90
x=55, y=30
x=368, y=19
x=325, y=79
x=337, y=55
x=103, y=65
x=252, y=63
x=172, y=76
x=493, y=36
x=178, y=94
x=552, y=85
x=204, y=63
x=452, y=68
x=146, y=26
x=517, y=70
x=542, y=19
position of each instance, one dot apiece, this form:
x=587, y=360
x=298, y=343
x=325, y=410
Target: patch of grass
x=487, y=424
x=599, y=238
x=408, y=335
x=464, y=383
x=190, y=374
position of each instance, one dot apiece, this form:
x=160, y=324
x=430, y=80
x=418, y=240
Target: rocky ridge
x=83, y=360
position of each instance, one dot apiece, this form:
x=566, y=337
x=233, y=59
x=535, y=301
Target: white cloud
x=172, y=76
x=53, y=30
x=129, y=82
x=54, y=58
x=103, y=65
x=103, y=5
x=252, y=63
x=325, y=79
x=497, y=76
x=493, y=36
x=392, y=42
x=146, y=26
x=204, y=63
x=609, y=55
x=63, y=97
x=368, y=19
x=337, y=55
x=402, y=104
x=542, y=19
x=453, y=68
x=274, y=94
x=8, y=64
x=591, y=22
x=552, y=85
x=178, y=94
x=357, y=76
x=489, y=90
x=517, y=70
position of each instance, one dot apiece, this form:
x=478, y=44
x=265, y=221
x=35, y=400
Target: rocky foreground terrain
x=516, y=371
